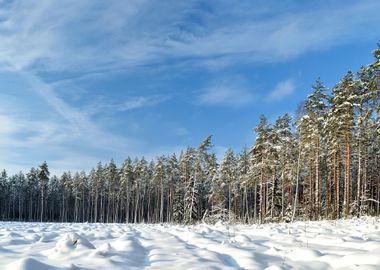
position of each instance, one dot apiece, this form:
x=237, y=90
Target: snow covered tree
x=204, y=171
x=316, y=109
x=126, y=183
x=364, y=124
x=343, y=103
x=245, y=184
x=113, y=197
x=260, y=166
x=173, y=186
x=159, y=178
x=3, y=193
x=33, y=192
x=284, y=145
x=328, y=167
x=186, y=166
x=222, y=188
x=43, y=177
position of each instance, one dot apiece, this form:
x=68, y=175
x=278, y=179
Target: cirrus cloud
x=282, y=90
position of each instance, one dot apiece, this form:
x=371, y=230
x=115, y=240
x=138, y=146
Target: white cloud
x=60, y=134
x=141, y=102
x=79, y=122
x=282, y=90
x=24, y=142
x=100, y=104
x=220, y=95
x=95, y=36
x=280, y=36
x=232, y=92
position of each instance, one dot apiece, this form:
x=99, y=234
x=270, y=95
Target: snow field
x=343, y=244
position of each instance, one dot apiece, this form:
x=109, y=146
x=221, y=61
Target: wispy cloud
x=141, y=102
x=100, y=104
x=44, y=35
x=25, y=142
x=232, y=92
x=282, y=90
x=84, y=39
x=254, y=37
x=62, y=134
x=80, y=124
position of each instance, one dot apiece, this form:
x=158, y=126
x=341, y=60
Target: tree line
x=323, y=164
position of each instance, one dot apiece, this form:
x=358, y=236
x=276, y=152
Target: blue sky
x=87, y=81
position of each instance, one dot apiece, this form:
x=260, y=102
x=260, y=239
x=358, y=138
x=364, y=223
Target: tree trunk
x=347, y=179
x=42, y=205
x=336, y=184
x=273, y=192
x=162, y=202
x=282, y=193
x=317, y=206
x=358, y=183
x=311, y=187
x=297, y=184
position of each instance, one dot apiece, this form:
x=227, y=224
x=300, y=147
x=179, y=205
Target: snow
x=342, y=244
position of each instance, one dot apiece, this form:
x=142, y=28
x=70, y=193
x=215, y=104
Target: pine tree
x=66, y=190
x=184, y=168
x=97, y=191
x=228, y=175
x=83, y=188
x=329, y=167
x=20, y=190
x=76, y=195
x=339, y=128
x=173, y=187
x=126, y=183
x=284, y=146
x=3, y=193
x=187, y=165
x=221, y=192
x=53, y=200
x=43, y=177
x=245, y=184
x=260, y=167
x=205, y=169
x=141, y=176
x=32, y=187
x=113, y=183
x=159, y=177
x=316, y=110
x=364, y=124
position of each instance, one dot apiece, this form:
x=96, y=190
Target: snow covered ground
x=344, y=244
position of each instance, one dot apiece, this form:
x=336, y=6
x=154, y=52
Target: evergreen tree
x=260, y=166
x=244, y=184
x=43, y=177
x=3, y=193
x=316, y=110
x=284, y=146
x=126, y=183
x=343, y=102
x=327, y=167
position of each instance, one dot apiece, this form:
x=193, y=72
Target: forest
x=322, y=163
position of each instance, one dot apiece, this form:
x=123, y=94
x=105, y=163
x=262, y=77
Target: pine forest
x=323, y=162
